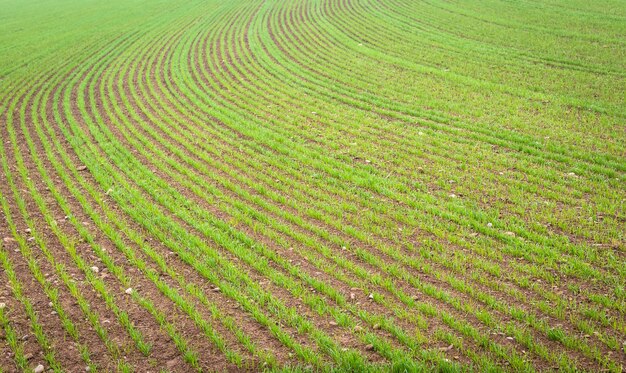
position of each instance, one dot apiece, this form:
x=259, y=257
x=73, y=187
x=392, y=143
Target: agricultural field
x=312, y=185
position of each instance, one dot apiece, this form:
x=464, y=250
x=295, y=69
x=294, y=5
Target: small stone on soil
x=489, y=225
x=333, y=323
x=3, y=306
x=95, y=269
x=39, y=369
x=129, y=291
x=171, y=364
x=81, y=168
x=371, y=296
x=8, y=239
